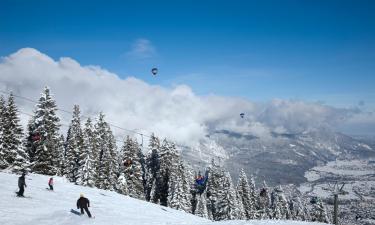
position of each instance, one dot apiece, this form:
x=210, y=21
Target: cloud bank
x=177, y=113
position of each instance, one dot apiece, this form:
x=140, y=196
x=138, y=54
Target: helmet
x=81, y=195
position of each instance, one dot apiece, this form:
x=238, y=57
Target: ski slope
x=44, y=207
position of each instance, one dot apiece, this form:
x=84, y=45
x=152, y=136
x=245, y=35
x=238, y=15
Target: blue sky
x=259, y=50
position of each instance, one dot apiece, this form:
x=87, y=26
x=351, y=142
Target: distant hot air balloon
x=154, y=71
x=242, y=115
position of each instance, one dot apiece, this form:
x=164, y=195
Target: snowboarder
x=50, y=183
x=83, y=204
x=21, y=185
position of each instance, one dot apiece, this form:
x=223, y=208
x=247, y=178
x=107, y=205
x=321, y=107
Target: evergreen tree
x=246, y=196
x=201, y=207
x=152, y=169
x=297, y=209
x=254, y=197
x=319, y=213
x=265, y=202
x=167, y=174
x=75, y=148
x=179, y=192
x=122, y=185
x=30, y=141
x=131, y=167
x=222, y=198
x=279, y=204
x=12, y=138
x=227, y=207
x=107, y=166
x=44, y=135
x=3, y=162
x=307, y=213
x=61, y=159
x=214, y=190
x=89, y=156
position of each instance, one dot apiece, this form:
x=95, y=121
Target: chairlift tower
x=336, y=190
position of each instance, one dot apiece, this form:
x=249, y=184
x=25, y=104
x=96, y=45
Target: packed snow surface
x=44, y=207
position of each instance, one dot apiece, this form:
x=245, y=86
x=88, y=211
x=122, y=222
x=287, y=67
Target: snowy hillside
x=42, y=206
x=359, y=179
x=291, y=154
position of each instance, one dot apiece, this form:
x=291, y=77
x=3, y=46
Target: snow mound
x=44, y=207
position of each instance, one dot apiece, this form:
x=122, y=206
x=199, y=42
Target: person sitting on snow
x=83, y=204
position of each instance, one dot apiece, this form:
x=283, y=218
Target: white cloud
x=177, y=113
x=141, y=49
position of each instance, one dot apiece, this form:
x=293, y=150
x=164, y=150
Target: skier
x=21, y=185
x=50, y=183
x=83, y=204
x=200, y=183
x=199, y=179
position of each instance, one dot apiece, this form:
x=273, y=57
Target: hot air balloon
x=242, y=115
x=154, y=71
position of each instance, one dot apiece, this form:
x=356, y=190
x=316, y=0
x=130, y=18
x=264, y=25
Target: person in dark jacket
x=21, y=185
x=83, y=204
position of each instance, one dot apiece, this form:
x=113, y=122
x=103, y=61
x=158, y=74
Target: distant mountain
x=281, y=158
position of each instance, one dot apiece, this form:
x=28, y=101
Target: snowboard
x=79, y=213
x=75, y=212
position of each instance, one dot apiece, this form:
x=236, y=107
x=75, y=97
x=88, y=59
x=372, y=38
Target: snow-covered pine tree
x=152, y=168
x=227, y=206
x=167, y=174
x=107, y=161
x=61, y=159
x=265, y=202
x=12, y=138
x=45, y=135
x=245, y=195
x=179, y=192
x=307, y=213
x=241, y=209
x=279, y=204
x=254, y=196
x=297, y=210
x=75, y=148
x=3, y=162
x=29, y=140
x=122, y=184
x=131, y=167
x=214, y=190
x=201, y=206
x=319, y=213
x=90, y=155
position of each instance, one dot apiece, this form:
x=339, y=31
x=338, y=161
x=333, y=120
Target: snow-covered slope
x=359, y=179
x=291, y=154
x=44, y=207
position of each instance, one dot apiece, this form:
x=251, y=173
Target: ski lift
x=154, y=71
x=200, y=183
x=242, y=115
x=35, y=137
x=263, y=192
x=314, y=200
x=128, y=162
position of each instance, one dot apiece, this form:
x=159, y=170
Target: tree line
x=89, y=156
